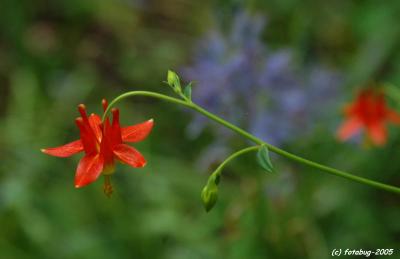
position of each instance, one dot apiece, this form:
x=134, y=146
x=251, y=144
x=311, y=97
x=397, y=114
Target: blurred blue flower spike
x=240, y=79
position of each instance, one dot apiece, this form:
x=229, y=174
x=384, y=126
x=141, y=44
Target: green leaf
x=188, y=91
x=263, y=159
x=173, y=81
x=209, y=195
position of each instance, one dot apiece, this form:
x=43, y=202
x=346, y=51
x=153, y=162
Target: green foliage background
x=57, y=54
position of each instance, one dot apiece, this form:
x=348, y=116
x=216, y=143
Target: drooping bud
x=209, y=194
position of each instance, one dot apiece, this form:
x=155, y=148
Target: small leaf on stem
x=263, y=159
x=188, y=91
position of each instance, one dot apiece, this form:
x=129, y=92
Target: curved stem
x=144, y=93
x=254, y=139
x=233, y=156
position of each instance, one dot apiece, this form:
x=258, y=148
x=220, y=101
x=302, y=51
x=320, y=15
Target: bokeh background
x=280, y=69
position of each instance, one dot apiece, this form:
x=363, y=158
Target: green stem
x=254, y=139
x=233, y=156
x=144, y=93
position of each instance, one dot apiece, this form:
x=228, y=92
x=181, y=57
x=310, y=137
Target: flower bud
x=173, y=81
x=209, y=195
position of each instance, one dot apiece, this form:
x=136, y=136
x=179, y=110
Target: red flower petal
x=137, y=132
x=377, y=132
x=87, y=136
x=349, y=128
x=95, y=122
x=129, y=155
x=106, y=150
x=89, y=169
x=65, y=150
x=115, y=134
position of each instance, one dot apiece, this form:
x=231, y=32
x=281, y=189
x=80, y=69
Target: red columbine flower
x=368, y=111
x=103, y=144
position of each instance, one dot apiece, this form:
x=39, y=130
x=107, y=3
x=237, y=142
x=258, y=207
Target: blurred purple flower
x=238, y=78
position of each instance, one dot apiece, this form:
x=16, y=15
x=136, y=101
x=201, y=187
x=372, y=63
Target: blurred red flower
x=369, y=111
x=103, y=143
